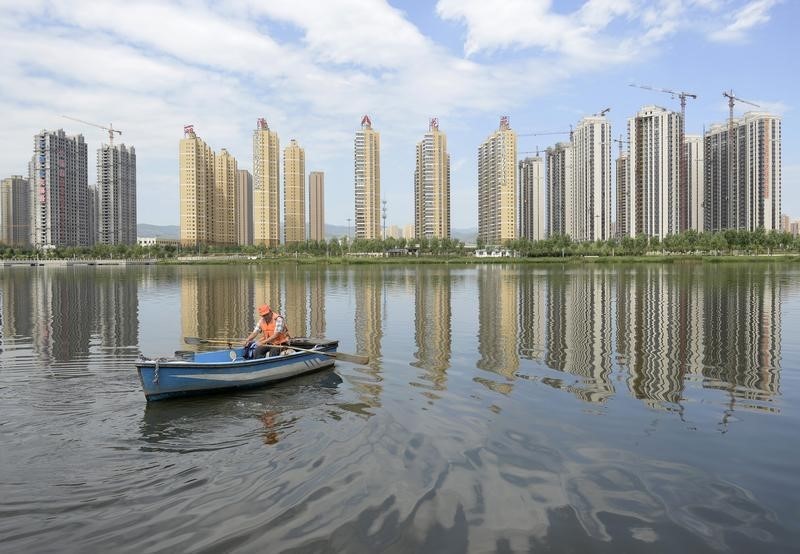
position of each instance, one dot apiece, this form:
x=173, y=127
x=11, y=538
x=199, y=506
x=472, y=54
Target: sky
x=313, y=68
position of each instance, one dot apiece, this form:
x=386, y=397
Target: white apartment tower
x=59, y=190
x=695, y=185
x=559, y=190
x=532, y=211
x=591, y=172
x=743, y=182
x=116, y=194
x=432, y=185
x=653, y=202
x=623, y=189
x=497, y=186
x=367, y=181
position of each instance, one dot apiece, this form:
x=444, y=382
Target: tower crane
x=683, y=198
x=620, y=142
x=548, y=133
x=110, y=127
x=731, y=99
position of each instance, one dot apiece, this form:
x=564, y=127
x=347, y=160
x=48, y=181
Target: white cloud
x=311, y=67
x=749, y=16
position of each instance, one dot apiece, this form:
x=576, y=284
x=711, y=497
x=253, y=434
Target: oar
x=344, y=356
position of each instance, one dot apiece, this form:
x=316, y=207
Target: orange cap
x=264, y=309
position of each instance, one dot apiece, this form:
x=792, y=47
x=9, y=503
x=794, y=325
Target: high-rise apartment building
x=93, y=207
x=208, y=191
x=693, y=156
x=368, y=181
x=266, y=177
x=623, y=188
x=294, y=193
x=560, y=185
x=743, y=174
x=116, y=194
x=591, y=171
x=533, y=213
x=654, y=173
x=59, y=190
x=432, y=185
x=15, y=211
x=196, y=185
x=244, y=208
x=316, y=205
x=225, y=230
x=497, y=186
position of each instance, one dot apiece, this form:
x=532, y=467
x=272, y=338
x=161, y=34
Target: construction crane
x=620, y=142
x=683, y=201
x=731, y=99
x=548, y=133
x=110, y=127
x=602, y=112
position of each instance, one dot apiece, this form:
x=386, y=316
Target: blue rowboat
x=206, y=372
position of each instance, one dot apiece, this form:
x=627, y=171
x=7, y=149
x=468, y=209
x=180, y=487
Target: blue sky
x=312, y=68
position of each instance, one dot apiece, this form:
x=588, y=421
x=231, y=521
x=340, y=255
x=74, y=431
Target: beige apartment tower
x=196, y=185
x=316, y=205
x=244, y=207
x=294, y=193
x=15, y=228
x=208, y=192
x=497, y=186
x=432, y=185
x=224, y=201
x=368, y=181
x=266, y=176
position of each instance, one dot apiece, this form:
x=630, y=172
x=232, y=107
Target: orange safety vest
x=268, y=328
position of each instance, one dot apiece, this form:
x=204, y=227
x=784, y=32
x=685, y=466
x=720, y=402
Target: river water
x=548, y=408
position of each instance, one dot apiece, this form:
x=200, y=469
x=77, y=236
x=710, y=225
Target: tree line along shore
x=734, y=244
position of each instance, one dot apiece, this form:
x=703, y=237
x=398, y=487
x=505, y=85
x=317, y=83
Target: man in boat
x=273, y=332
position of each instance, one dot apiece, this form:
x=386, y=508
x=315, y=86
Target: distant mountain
x=158, y=231
x=467, y=236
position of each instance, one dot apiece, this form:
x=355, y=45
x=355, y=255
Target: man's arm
x=252, y=335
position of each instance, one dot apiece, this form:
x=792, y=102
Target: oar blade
x=352, y=358
x=193, y=340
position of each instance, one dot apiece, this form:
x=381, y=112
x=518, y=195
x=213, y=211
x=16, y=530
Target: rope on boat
x=157, y=362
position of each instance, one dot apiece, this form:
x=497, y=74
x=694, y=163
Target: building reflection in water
x=295, y=303
x=368, y=287
x=317, y=302
x=496, y=323
x=653, y=335
x=532, y=314
x=721, y=325
x=743, y=333
x=432, y=325
x=216, y=303
x=65, y=312
x=579, y=330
